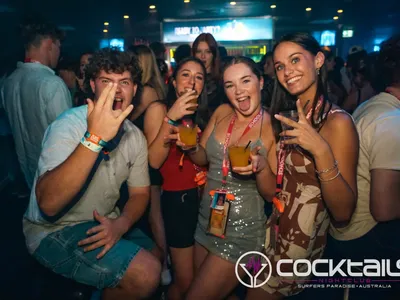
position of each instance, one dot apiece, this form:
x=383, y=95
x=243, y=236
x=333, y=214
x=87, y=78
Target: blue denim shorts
x=60, y=253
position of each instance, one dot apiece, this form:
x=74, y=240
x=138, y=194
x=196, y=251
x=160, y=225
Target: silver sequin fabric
x=246, y=223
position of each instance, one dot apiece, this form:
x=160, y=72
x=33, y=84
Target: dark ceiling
x=86, y=17
x=89, y=15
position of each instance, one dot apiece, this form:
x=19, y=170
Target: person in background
x=180, y=197
x=163, y=68
x=267, y=67
x=319, y=159
x=336, y=91
x=72, y=225
x=376, y=220
x=66, y=69
x=158, y=49
x=150, y=90
x=362, y=70
x=222, y=52
x=10, y=171
x=153, y=87
x=182, y=52
x=241, y=122
x=81, y=93
x=205, y=48
x=33, y=95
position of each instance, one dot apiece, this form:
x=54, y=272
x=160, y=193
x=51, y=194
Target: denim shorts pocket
x=52, y=253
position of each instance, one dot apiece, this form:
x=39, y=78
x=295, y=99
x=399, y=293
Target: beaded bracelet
x=335, y=165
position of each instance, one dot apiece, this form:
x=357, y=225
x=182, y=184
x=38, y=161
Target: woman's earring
x=317, y=71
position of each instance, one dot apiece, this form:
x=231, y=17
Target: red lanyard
x=282, y=157
x=225, y=162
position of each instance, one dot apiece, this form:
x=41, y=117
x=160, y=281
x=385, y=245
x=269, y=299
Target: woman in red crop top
x=180, y=197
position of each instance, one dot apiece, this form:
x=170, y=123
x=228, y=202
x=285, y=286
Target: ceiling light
x=186, y=1
x=308, y=9
x=152, y=7
x=105, y=30
x=335, y=17
x=106, y=23
x=340, y=11
x=233, y=3
x=273, y=6
x=126, y=17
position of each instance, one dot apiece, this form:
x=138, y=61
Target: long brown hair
x=283, y=100
x=212, y=44
x=150, y=73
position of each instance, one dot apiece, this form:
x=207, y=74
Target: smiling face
x=204, y=53
x=243, y=88
x=189, y=76
x=126, y=88
x=296, y=68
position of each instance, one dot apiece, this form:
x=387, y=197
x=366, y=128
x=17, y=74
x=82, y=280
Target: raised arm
x=157, y=129
x=61, y=181
x=340, y=193
x=199, y=155
x=336, y=142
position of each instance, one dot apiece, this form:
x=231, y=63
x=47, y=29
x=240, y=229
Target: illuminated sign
x=114, y=43
x=325, y=38
x=347, y=33
x=243, y=29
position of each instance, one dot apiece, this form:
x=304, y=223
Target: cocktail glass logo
x=252, y=264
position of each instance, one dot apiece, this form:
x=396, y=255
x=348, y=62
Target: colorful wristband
x=90, y=145
x=95, y=139
x=171, y=122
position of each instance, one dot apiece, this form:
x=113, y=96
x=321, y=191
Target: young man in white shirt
x=72, y=224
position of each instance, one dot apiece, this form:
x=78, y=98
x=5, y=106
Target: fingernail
x=110, y=83
x=276, y=115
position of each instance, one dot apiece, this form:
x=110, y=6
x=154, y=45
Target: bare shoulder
x=223, y=109
x=149, y=92
x=222, y=112
x=339, y=125
x=156, y=108
x=338, y=119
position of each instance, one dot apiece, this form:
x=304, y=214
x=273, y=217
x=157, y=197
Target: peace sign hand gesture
x=102, y=119
x=302, y=134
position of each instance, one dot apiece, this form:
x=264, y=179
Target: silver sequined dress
x=246, y=223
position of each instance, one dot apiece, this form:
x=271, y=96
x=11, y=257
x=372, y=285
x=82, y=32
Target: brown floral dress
x=303, y=226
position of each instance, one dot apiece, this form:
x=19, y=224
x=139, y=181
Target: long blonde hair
x=150, y=73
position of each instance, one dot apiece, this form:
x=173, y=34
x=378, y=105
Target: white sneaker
x=166, y=277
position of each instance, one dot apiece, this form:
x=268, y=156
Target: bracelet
x=95, y=139
x=330, y=179
x=335, y=165
x=90, y=145
x=171, y=122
